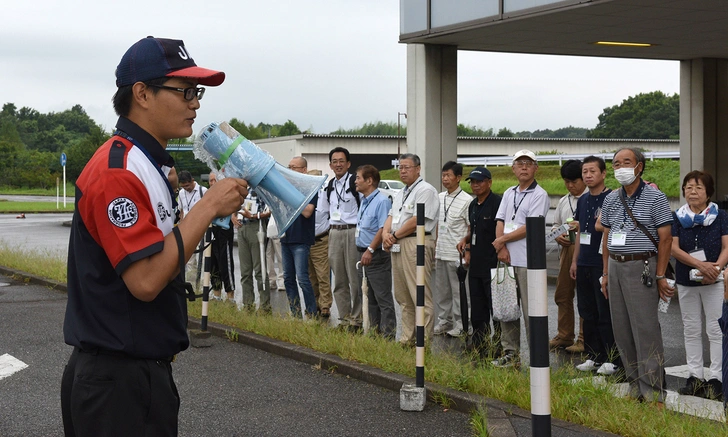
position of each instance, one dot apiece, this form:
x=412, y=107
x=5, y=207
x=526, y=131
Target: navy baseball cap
x=479, y=174
x=152, y=58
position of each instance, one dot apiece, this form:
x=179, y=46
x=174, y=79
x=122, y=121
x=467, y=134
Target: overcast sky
x=324, y=64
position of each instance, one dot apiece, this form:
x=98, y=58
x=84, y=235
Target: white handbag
x=505, y=296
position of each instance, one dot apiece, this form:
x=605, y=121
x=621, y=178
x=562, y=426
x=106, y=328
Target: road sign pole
x=63, y=164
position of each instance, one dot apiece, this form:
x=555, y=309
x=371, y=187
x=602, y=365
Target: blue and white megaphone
x=286, y=192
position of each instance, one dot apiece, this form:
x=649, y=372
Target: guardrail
x=507, y=160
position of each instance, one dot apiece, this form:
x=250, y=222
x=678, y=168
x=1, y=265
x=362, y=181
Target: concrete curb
x=33, y=279
x=498, y=412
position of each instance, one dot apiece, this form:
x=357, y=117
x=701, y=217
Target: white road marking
x=9, y=365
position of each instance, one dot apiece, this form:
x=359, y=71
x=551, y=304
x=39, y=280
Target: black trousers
x=481, y=310
x=223, y=266
x=593, y=307
x=111, y=395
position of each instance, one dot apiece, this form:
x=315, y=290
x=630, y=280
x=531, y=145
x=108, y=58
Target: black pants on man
x=593, y=307
x=115, y=395
x=481, y=310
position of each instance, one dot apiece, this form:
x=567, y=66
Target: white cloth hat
x=522, y=153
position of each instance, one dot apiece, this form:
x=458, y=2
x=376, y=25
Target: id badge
x=472, y=240
x=356, y=232
x=336, y=215
x=699, y=255
x=585, y=238
x=619, y=239
x=443, y=229
x=395, y=218
x=510, y=227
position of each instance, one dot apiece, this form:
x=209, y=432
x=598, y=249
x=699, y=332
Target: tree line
x=31, y=142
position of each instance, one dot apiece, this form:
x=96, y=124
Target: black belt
x=362, y=249
x=340, y=227
x=414, y=234
x=123, y=355
x=320, y=237
x=632, y=256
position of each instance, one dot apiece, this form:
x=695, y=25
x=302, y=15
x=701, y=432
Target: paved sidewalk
x=258, y=386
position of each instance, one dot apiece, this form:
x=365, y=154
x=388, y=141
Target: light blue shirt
x=373, y=213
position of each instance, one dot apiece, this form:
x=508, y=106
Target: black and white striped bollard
x=412, y=397
x=539, y=327
x=207, y=267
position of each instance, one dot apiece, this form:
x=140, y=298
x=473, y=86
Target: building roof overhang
x=677, y=30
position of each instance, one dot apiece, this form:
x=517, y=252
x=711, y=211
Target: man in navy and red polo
x=126, y=313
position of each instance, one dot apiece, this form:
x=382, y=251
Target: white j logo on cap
x=183, y=53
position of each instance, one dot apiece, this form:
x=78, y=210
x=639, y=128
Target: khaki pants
x=343, y=257
x=564, y=297
x=320, y=273
x=404, y=272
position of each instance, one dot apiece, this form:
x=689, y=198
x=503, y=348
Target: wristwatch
x=370, y=250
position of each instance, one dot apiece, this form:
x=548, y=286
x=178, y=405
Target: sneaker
x=576, y=348
x=507, y=360
x=442, y=328
x=455, y=332
x=558, y=342
x=693, y=387
x=712, y=389
x=607, y=369
x=588, y=366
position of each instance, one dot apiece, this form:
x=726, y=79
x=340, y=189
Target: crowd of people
x=613, y=259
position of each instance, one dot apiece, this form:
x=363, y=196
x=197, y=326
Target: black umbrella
x=723, y=321
x=462, y=274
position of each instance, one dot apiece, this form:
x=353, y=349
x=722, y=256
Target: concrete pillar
x=432, y=106
x=704, y=120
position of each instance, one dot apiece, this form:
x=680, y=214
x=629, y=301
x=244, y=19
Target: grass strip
x=15, y=207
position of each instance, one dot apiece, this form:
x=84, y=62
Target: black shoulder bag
x=669, y=271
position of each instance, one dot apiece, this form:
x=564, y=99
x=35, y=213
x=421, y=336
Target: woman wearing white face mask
x=700, y=241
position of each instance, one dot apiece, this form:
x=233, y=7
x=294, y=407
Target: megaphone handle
x=223, y=222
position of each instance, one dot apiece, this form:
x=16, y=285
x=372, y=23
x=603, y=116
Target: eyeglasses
x=189, y=93
x=338, y=162
x=524, y=163
x=407, y=167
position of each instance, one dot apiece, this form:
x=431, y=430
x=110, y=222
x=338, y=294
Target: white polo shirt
x=453, y=223
x=514, y=208
x=404, y=205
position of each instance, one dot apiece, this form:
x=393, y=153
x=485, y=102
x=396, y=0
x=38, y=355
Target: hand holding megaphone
x=230, y=154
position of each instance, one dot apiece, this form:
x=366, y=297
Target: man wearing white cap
x=527, y=199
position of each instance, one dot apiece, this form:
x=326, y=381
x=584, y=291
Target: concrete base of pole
x=412, y=398
x=199, y=338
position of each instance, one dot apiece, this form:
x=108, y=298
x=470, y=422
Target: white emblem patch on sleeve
x=123, y=213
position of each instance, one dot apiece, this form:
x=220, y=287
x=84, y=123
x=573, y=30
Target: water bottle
x=572, y=233
x=661, y=304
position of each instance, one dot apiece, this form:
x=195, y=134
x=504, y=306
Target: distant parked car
x=390, y=188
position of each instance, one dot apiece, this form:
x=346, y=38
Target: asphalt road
x=228, y=389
